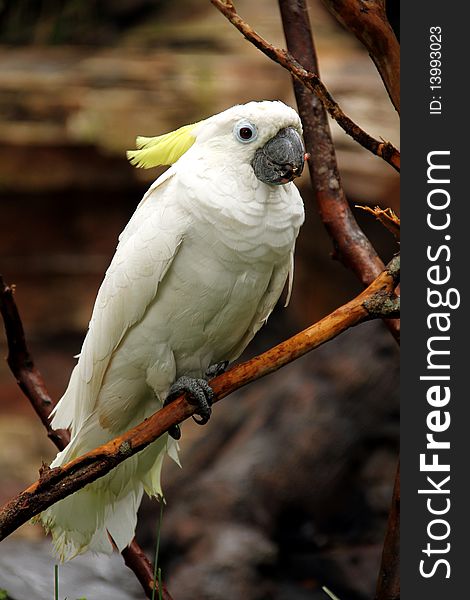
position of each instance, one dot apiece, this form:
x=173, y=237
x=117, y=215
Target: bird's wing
x=147, y=205
x=267, y=303
x=146, y=250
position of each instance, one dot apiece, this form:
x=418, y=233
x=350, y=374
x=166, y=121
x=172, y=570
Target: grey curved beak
x=281, y=159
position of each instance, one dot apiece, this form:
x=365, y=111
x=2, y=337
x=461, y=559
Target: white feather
x=198, y=270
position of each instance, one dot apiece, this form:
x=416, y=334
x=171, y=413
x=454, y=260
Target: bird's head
x=266, y=136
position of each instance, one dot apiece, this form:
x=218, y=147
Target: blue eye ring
x=245, y=132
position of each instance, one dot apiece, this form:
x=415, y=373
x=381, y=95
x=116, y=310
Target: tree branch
x=135, y=559
x=311, y=81
x=367, y=20
x=22, y=366
x=386, y=216
x=33, y=386
x=351, y=245
x=55, y=484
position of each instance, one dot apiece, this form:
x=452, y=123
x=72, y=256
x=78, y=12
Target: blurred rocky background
x=288, y=487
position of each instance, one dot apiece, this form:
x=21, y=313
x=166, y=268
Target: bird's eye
x=245, y=132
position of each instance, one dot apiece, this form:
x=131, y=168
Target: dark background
x=288, y=488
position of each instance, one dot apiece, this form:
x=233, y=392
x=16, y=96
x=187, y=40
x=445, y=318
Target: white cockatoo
x=197, y=271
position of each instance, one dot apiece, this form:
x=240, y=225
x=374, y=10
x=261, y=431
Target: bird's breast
x=210, y=294
x=205, y=304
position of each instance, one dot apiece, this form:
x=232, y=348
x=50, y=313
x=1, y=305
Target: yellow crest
x=164, y=149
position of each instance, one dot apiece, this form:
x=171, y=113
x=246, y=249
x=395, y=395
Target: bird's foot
x=199, y=393
x=216, y=369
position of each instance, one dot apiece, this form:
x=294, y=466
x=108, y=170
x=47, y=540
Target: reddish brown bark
x=367, y=20
x=351, y=245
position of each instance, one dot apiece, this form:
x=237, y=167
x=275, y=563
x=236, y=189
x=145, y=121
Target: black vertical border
x=421, y=133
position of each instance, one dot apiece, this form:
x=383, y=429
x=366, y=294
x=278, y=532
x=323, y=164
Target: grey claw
x=205, y=416
x=175, y=432
x=216, y=369
x=199, y=393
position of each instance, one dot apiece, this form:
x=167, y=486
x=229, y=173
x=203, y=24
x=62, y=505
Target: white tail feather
x=83, y=520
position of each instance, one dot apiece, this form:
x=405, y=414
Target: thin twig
x=34, y=388
x=55, y=484
x=367, y=20
x=385, y=150
x=386, y=216
x=22, y=366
